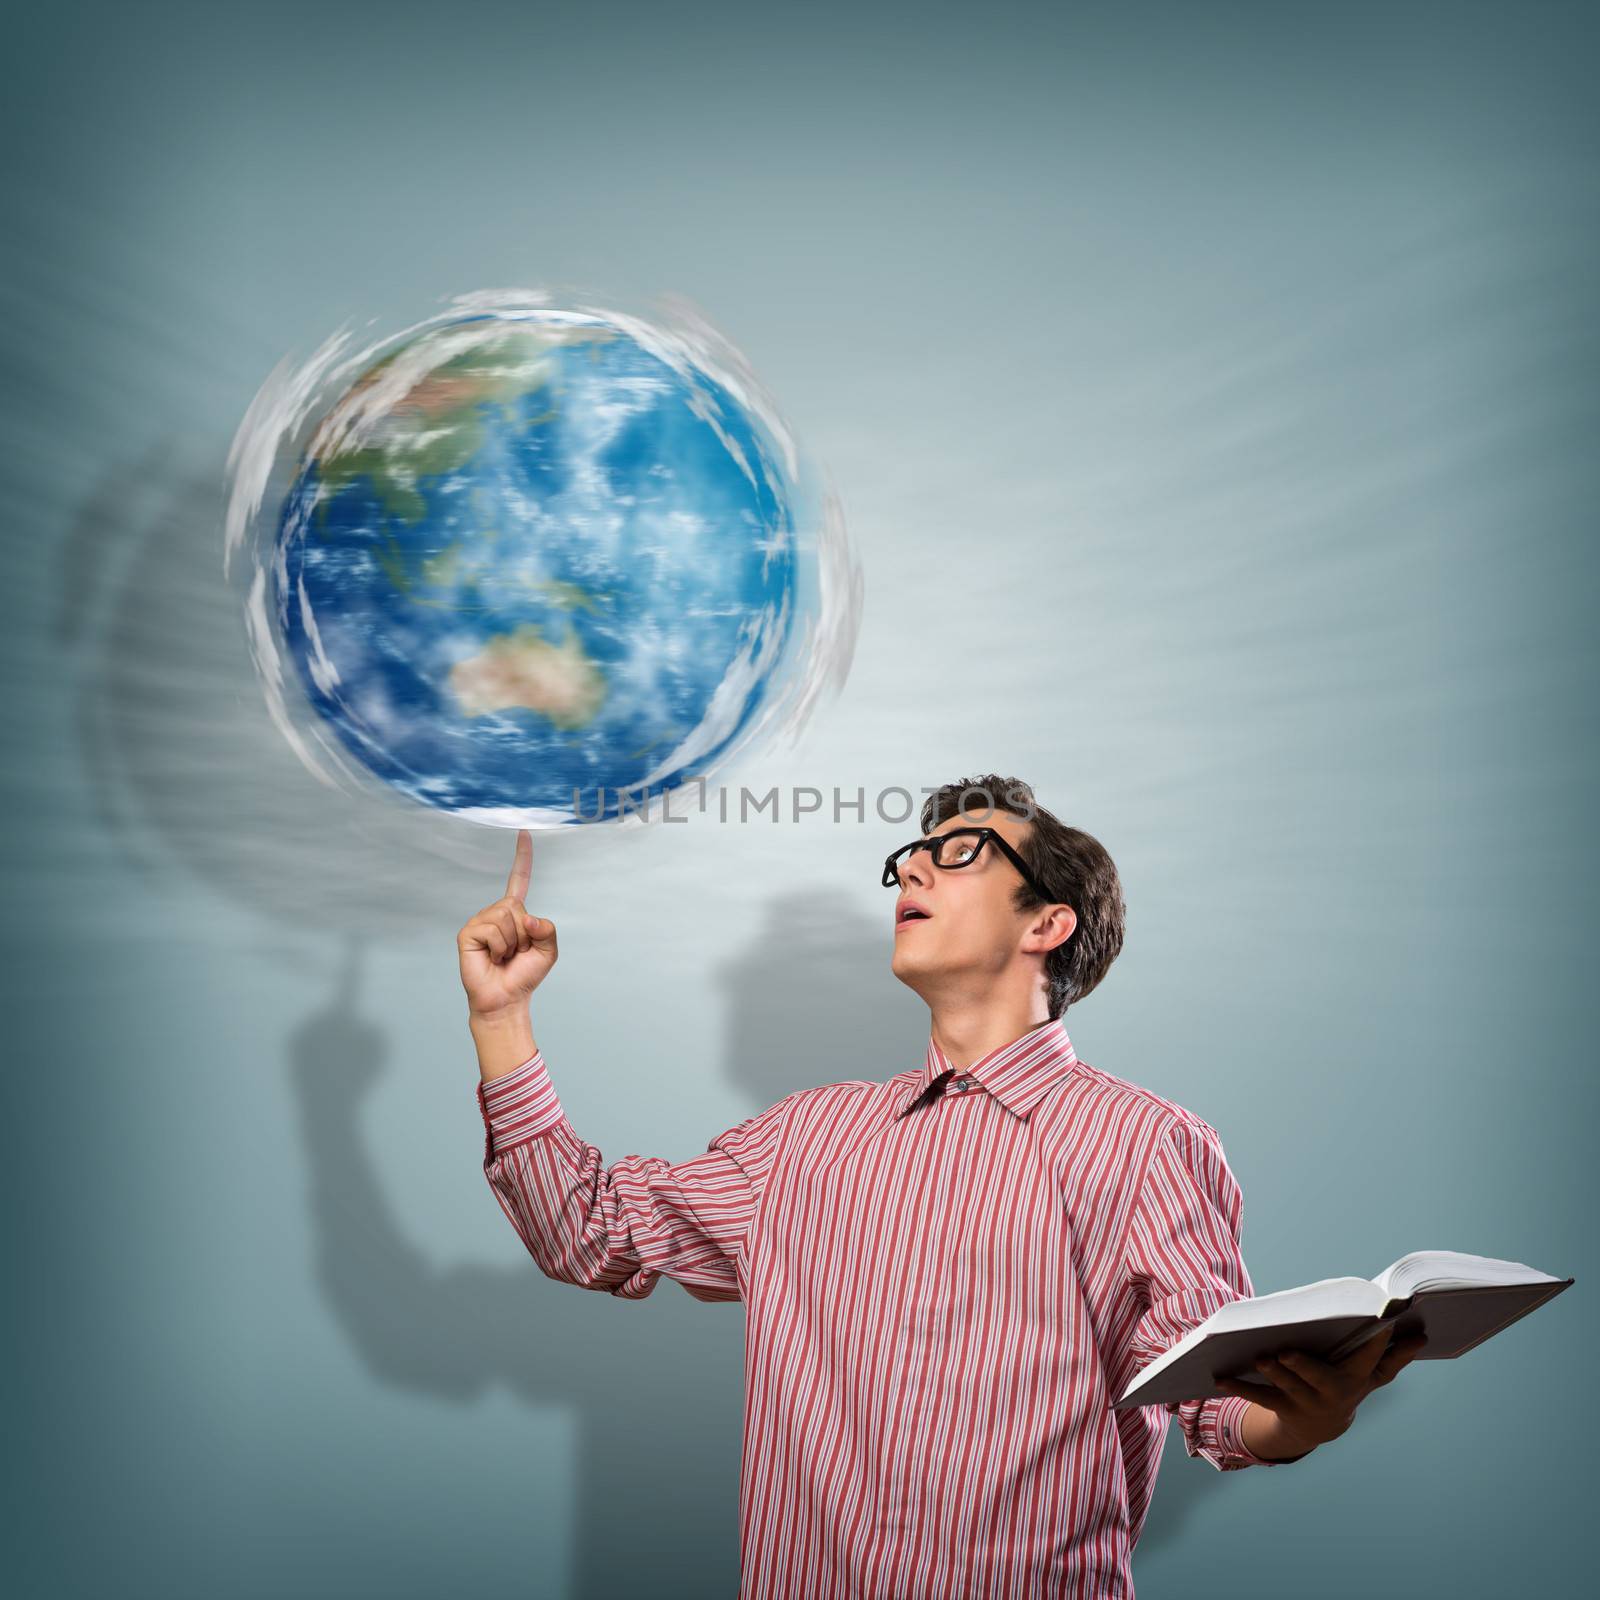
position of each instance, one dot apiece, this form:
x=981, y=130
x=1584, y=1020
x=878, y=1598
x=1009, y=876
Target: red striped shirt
x=947, y=1278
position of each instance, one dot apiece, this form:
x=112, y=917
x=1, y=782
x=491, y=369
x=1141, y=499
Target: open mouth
x=909, y=913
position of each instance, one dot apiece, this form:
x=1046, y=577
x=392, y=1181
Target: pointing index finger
x=521, y=867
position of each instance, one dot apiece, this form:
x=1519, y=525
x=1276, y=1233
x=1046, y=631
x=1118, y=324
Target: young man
x=948, y=1275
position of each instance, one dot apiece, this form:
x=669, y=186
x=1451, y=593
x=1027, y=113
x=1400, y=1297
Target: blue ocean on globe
x=527, y=562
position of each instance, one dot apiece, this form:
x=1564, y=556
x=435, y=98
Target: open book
x=1457, y=1300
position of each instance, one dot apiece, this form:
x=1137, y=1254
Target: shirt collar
x=1018, y=1074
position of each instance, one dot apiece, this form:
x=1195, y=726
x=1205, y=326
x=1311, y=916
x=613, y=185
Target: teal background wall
x=1241, y=363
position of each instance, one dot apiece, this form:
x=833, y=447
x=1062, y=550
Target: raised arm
x=620, y=1227
x=615, y=1228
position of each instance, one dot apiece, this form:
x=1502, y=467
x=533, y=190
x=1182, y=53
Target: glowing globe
x=523, y=562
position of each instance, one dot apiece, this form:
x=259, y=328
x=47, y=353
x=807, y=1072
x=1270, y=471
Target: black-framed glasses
x=960, y=847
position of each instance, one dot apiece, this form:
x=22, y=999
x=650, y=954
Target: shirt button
x=959, y=1084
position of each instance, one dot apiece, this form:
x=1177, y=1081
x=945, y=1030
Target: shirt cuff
x=1228, y=1430
x=518, y=1105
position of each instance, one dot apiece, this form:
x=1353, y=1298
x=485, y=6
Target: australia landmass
x=522, y=669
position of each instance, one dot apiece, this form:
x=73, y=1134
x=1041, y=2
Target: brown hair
x=1071, y=864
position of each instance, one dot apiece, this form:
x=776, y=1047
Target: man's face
x=971, y=933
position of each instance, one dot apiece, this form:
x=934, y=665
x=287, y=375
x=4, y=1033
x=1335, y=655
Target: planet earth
x=528, y=562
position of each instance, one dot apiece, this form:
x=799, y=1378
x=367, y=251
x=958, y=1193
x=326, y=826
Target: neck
x=969, y=1030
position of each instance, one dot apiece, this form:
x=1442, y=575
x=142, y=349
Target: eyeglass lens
x=953, y=849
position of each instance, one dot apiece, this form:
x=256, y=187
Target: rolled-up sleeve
x=620, y=1227
x=1184, y=1262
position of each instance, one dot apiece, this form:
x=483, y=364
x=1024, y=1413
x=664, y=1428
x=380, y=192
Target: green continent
x=436, y=426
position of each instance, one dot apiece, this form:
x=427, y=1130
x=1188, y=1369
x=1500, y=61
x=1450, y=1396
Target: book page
x=1422, y=1270
x=1327, y=1297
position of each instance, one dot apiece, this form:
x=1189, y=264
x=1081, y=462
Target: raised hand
x=1312, y=1400
x=506, y=952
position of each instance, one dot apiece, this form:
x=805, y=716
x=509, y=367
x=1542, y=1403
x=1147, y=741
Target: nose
x=916, y=870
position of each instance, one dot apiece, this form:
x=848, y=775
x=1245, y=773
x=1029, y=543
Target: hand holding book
x=1448, y=1299
x=1311, y=1400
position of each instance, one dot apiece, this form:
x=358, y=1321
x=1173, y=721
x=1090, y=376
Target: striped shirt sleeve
x=619, y=1227
x=1184, y=1262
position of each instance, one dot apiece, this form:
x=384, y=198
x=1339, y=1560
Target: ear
x=1053, y=925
